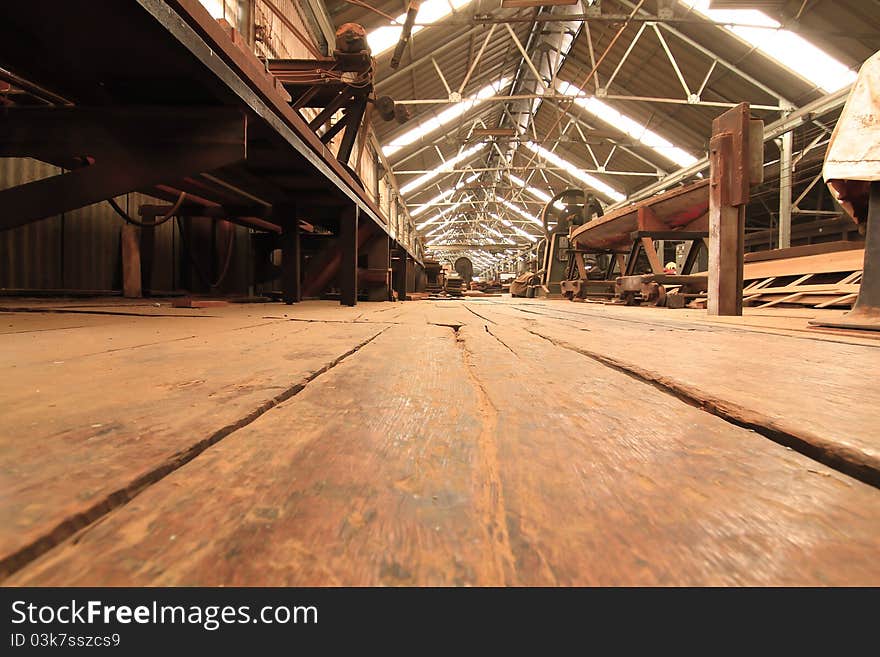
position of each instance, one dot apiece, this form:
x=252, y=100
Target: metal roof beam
x=773, y=130
x=721, y=60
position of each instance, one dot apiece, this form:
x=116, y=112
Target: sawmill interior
x=440, y=293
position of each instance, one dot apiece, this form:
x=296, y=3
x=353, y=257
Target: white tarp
x=854, y=151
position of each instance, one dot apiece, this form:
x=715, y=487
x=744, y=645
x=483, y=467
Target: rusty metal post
x=401, y=265
x=131, y=262
x=866, y=311
x=348, y=245
x=291, y=256
x=379, y=258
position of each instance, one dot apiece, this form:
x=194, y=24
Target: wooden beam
x=728, y=197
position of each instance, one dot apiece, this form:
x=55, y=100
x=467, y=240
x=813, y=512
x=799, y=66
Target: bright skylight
x=443, y=196
x=433, y=123
x=448, y=165
x=515, y=229
x=590, y=181
x=630, y=126
x=787, y=48
x=534, y=191
x=214, y=7
x=442, y=213
x=437, y=199
x=496, y=233
x=386, y=37
x=522, y=213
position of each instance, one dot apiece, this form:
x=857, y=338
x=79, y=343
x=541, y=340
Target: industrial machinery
x=617, y=255
x=465, y=269
x=436, y=278
x=568, y=209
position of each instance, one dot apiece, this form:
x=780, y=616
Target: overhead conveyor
x=156, y=97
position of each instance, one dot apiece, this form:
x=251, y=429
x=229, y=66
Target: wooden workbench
x=473, y=442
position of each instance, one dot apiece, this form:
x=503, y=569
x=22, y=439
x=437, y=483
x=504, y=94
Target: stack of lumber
x=816, y=276
x=454, y=286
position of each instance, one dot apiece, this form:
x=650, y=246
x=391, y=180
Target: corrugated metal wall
x=274, y=38
x=81, y=251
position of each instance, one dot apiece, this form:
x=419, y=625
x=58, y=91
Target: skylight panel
x=448, y=165
x=386, y=37
x=522, y=213
x=497, y=233
x=628, y=125
x=534, y=191
x=515, y=229
x=442, y=213
x=590, y=181
x=443, y=196
x=789, y=49
x=214, y=7
x=437, y=199
x=434, y=123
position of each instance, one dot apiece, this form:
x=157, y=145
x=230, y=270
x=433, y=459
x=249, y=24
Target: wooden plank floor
x=478, y=442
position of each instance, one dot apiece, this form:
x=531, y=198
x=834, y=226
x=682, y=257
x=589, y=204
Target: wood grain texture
x=370, y=475
x=85, y=427
x=485, y=454
x=818, y=390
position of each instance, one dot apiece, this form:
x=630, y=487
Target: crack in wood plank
x=487, y=479
x=845, y=460
x=83, y=520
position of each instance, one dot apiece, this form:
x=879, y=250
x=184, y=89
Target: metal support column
x=291, y=255
x=379, y=259
x=348, y=245
x=866, y=312
x=131, y=262
x=785, y=176
x=401, y=266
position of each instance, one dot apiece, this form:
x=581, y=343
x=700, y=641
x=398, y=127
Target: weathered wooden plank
x=82, y=434
x=484, y=456
x=607, y=480
x=372, y=475
x=820, y=391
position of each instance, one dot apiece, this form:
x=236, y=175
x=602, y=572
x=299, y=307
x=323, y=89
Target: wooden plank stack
x=814, y=277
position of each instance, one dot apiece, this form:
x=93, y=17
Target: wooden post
x=291, y=256
x=651, y=253
x=131, y=261
x=729, y=162
x=348, y=246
